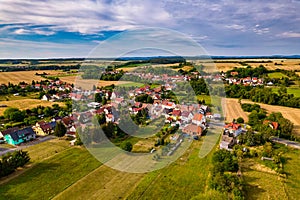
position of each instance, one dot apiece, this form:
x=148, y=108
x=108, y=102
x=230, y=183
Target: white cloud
x=289, y=35
x=260, y=31
x=85, y=16
x=236, y=27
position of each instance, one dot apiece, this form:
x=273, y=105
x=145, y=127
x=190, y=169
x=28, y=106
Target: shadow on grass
x=23, y=182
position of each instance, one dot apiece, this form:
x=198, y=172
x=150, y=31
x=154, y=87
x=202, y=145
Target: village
x=191, y=118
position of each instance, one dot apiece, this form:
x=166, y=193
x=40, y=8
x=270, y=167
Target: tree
x=60, y=129
x=126, y=146
x=98, y=98
x=101, y=118
x=14, y=114
x=240, y=120
x=78, y=139
x=104, y=101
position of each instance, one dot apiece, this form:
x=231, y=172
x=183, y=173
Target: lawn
x=46, y=149
x=276, y=75
x=51, y=176
x=131, y=84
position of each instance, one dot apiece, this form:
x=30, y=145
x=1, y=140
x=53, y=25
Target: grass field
x=264, y=185
x=103, y=183
x=183, y=179
x=26, y=76
x=261, y=184
x=292, y=168
x=51, y=176
x=23, y=104
x=290, y=90
x=277, y=75
x=33, y=95
x=233, y=110
x=293, y=114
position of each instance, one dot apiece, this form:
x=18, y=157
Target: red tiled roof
x=176, y=112
x=198, y=117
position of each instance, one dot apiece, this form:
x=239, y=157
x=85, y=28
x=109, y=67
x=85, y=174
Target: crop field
x=88, y=83
x=26, y=76
x=233, y=110
x=271, y=64
x=23, y=104
x=293, y=114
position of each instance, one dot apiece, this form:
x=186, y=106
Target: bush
x=240, y=120
x=10, y=162
x=126, y=146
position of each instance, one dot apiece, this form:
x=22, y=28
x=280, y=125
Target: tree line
x=11, y=161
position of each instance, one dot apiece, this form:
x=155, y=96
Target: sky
x=74, y=28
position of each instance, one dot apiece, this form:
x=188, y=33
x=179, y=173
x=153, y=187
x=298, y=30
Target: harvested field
x=271, y=64
x=26, y=76
x=23, y=104
x=88, y=83
x=233, y=110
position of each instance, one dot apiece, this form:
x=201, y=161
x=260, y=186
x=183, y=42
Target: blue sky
x=53, y=28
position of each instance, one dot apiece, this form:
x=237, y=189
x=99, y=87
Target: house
x=186, y=116
x=20, y=136
x=43, y=129
x=46, y=97
x=8, y=131
x=233, y=129
x=109, y=118
x=71, y=132
x=227, y=142
x=199, y=119
x=193, y=130
x=273, y=125
x=68, y=121
x=176, y=114
x=93, y=105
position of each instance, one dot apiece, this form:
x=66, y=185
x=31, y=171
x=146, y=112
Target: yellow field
x=226, y=64
x=26, y=76
x=293, y=114
x=88, y=83
x=24, y=104
x=233, y=110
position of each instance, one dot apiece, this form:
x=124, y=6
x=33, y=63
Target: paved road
x=28, y=144
x=293, y=144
